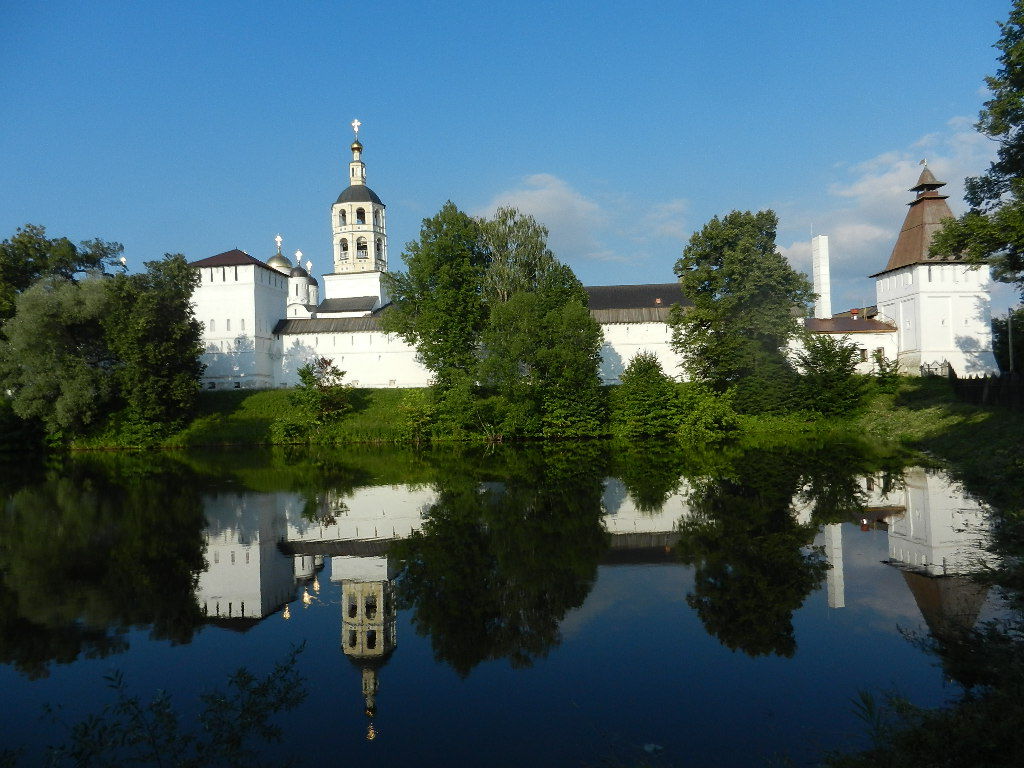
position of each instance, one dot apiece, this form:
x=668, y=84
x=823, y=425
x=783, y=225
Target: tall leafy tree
x=743, y=292
x=541, y=346
x=156, y=341
x=54, y=358
x=30, y=255
x=992, y=230
x=438, y=303
x=519, y=254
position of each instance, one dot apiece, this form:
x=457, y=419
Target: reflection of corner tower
x=939, y=305
x=369, y=617
x=359, y=234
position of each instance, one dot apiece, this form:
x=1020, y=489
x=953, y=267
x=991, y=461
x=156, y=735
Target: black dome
x=358, y=193
x=298, y=272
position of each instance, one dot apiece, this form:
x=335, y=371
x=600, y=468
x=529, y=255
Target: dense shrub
x=646, y=403
x=830, y=383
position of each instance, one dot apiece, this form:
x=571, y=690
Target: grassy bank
x=986, y=445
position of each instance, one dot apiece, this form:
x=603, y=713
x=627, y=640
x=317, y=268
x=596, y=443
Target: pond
x=564, y=605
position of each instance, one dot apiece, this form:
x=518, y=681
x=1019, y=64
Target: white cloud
x=668, y=219
x=571, y=217
x=590, y=228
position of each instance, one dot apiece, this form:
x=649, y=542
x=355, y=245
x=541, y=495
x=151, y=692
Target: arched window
x=376, y=218
x=228, y=326
x=342, y=218
x=379, y=250
x=361, y=248
x=344, y=248
x=213, y=326
x=371, y=639
x=360, y=216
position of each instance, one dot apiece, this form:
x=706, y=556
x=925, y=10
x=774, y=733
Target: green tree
x=55, y=360
x=992, y=230
x=153, y=335
x=743, y=293
x=520, y=255
x=647, y=400
x=321, y=393
x=30, y=255
x=1001, y=340
x=830, y=383
x=542, y=349
x=438, y=303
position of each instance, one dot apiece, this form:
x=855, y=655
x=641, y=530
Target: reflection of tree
x=497, y=566
x=830, y=478
x=651, y=473
x=88, y=554
x=752, y=569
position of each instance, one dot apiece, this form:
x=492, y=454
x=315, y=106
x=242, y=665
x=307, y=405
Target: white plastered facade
x=942, y=313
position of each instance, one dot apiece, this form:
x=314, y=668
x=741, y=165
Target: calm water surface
x=568, y=606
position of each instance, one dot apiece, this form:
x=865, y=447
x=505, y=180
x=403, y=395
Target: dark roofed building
x=649, y=303
x=232, y=258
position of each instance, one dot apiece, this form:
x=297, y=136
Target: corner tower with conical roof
x=939, y=304
x=359, y=234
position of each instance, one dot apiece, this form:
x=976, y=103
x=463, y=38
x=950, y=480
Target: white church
x=264, y=320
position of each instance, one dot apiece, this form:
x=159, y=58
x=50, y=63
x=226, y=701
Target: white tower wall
x=822, y=281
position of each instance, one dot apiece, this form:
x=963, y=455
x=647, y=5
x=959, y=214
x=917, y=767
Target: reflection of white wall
x=943, y=532
x=371, y=512
x=835, y=581
x=246, y=575
x=622, y=516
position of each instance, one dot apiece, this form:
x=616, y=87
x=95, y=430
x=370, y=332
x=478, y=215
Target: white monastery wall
x=622, y=341
x=370, y=359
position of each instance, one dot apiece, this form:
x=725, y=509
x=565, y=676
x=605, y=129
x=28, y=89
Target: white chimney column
x=819, y=270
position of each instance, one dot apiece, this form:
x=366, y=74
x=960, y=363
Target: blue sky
x=201, y=127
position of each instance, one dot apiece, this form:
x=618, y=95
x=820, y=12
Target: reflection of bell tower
x=369, y=617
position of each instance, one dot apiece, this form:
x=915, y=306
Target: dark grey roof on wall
x=846, y=325
x=232, y=258
x=351, y=304
x=328, y=325
x=650, y=296
x=358, y=193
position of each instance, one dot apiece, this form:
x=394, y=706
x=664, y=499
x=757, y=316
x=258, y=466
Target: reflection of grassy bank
x=984, y=449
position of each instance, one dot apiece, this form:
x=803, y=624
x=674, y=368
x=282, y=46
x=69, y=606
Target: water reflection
x=486, y=553
x=90, y=552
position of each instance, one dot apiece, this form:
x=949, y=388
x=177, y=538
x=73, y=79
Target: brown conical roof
x=926, y=214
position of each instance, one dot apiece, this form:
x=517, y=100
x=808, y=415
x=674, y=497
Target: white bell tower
x=360, y=236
